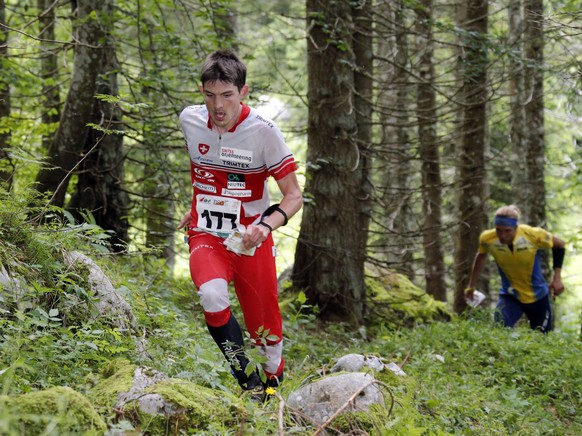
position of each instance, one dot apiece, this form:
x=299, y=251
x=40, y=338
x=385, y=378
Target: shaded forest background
x=412, y=122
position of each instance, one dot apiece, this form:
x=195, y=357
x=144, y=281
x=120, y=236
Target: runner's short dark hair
x=226, y=66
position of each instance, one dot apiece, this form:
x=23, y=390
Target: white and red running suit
x=229, y=176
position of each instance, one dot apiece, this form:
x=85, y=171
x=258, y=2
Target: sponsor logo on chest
x=203, y=187
x=229, y=154
x=235, y=181
x=207, y=176
x=237, y=193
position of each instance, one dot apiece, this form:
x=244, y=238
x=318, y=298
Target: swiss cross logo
x=203, y=148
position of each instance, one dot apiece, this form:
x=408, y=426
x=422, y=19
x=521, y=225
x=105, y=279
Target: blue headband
x=505, y=221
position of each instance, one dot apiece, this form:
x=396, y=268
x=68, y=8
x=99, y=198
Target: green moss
x=196, y=407
x=118, y=377
x=55, y=411
x=192, y=407
x=396, y=302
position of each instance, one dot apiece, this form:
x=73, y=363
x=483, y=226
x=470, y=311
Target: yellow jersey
x=520, y=268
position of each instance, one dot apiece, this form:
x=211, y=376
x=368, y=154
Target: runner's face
x=505, y=234
x=223, y=102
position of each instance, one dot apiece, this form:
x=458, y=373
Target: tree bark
x=49, y=69
x=434, y=264
x=65, y=151
x=471, y=176
x=535, y=209
x=517, y=130
x=100, y=186
x=394, y=153
x=6, y=165
x=331, y=250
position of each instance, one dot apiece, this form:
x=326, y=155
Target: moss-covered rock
x=156, y=404
x=55, y=411
x=194, y=408
x=117, y=378
x=394, y=301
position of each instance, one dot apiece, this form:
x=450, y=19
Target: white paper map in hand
x=478, y=298
x=235, y=243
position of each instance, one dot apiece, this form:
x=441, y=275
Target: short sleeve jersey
x=520, y=268
x=229, y=171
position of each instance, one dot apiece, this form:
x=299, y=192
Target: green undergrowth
x=464, y=376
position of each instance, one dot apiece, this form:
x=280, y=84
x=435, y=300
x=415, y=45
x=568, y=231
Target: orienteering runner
x=233, y=151
x=516, y=249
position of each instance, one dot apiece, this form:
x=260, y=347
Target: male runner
x=233, y=150
x=516, y=250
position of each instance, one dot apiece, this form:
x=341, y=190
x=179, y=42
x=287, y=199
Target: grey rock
x=357, y=362
x=323, y=398
x=109, y=303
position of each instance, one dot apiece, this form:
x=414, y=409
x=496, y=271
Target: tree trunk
x=516, y=100
x=363, y=83
x=100, y=186
x=49, y=69
x=65, y=152
x=471, y=176
x=430, y=157
x=159, y=213
x=6, y=165
x=394, y=155
x=535, y=209
x=330, y=255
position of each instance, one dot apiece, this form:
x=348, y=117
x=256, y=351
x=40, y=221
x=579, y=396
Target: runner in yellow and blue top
x=516, y=249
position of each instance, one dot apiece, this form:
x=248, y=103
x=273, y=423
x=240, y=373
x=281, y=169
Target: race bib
x=217, y=214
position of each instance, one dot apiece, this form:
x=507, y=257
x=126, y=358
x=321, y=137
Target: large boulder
x=320, y=400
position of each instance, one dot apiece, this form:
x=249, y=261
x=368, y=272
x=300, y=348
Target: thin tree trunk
x=159, y=215
x=394, y=155
x=471, y=208
x=534, y=112
x=516, y=100
x=65, y=152
x=430, y=156
x=363, y=83
x=535, y=210
x=48, y=67
x=6, y=165
x=330, y=255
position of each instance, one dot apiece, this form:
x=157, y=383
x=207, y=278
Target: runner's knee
x=215, y=301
